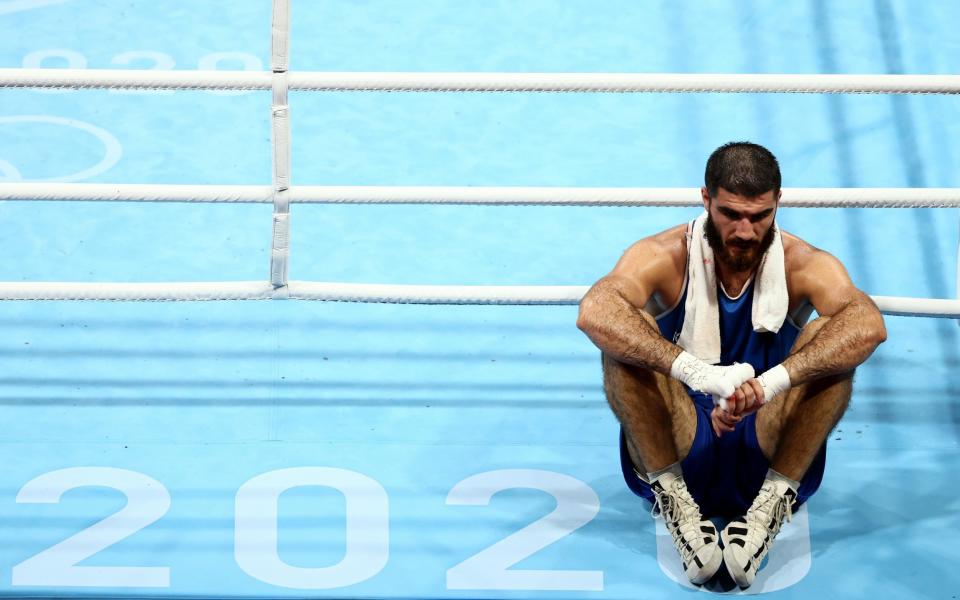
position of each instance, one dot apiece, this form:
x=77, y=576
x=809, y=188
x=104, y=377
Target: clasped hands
x=747, y=398
x=735, y=391
x=736, y=394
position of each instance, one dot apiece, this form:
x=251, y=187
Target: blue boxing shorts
x=724, y=474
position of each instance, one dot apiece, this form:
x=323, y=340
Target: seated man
x=700, y=435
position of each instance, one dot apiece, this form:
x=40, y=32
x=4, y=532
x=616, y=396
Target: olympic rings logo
x=111, y=146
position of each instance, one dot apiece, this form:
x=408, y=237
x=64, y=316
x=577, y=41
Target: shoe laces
x=768, y=511
x=677, y=505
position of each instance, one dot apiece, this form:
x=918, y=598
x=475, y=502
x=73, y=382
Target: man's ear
x=705, y=196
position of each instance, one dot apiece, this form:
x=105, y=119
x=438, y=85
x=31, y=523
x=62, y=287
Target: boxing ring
x=289, y=449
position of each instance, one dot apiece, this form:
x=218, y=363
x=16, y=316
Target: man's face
x=739, y=228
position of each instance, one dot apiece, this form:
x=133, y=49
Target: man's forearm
x=623, y=331
x=844, y=342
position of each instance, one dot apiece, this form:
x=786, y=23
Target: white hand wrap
x=774, y=381
x=719, y=382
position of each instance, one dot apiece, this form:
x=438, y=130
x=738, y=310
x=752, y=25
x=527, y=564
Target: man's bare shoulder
x=668, y=248
x=675, y=236
x=653, y=265
x=815, y=275
x=795, y=251
x=800, y=255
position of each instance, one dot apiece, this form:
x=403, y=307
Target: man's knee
x=649, y=319
x=839, y=386
x=629, y=388
x=626, y=383
x=832, y=395
x=809, y=331
x=614, y=369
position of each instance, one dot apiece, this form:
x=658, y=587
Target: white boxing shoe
x=747, y=540
x=694, y=537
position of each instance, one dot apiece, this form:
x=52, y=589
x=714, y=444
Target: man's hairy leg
x=792, y=428
x=656, y=413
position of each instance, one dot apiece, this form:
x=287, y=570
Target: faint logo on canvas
x=13, y=6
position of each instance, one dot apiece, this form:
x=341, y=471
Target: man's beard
x=745, y=260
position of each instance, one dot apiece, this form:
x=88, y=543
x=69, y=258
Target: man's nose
x=744, y=229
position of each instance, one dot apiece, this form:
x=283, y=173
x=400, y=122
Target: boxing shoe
x=747, y=540
x=694, y=537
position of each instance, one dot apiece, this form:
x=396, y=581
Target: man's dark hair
x=742, y=168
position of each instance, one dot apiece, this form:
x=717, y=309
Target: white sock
x=775, y=476
x=641, y=476
x=673, y=469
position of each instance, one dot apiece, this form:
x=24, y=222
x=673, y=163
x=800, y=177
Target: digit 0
x=257, y=538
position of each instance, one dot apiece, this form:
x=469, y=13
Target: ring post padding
x=280, y=250
x=280, y=124
x=281, y=148
x=280, y=48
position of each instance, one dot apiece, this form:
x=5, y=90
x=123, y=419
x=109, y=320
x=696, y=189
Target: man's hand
x=746, y=399
x=722, y=421
x=754, y=393
x=719, y=382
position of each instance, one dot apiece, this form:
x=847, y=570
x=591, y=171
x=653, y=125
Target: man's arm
x=612, y=316
x=611, y=312
x=854, y=330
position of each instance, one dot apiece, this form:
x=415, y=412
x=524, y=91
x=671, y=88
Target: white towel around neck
x=700, y=334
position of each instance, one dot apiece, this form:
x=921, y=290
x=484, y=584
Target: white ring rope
x=374, y=293
x=558, y=196
x=280, y=81
x=135, y=79
x=484, y=82
x=133, y=192
x=436, y=294
x=224, y=290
